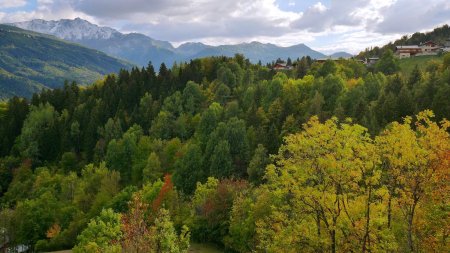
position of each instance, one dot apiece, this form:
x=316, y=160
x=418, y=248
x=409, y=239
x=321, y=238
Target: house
x=446, y=47
x=6, y=248
x=429, y=44
x=372, y=61
x=425, y=48
x=281, y=66
x=429, y=48
x=447, y=43
x=322, y=60
x=407, y=51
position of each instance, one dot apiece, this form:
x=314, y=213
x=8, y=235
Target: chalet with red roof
x=281, y=66
x=407, y=51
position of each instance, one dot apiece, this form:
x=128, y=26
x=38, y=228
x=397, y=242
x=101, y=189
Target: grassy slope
x=408, y=64
x=31, y=61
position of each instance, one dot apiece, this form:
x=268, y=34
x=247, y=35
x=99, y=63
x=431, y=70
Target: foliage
x=38, y=126
x=189, y=170
x=328, y=181
x=147, y=146
x=100, y=233
x=412, y=160
x=141, y=234
x=256, y=168
x=167, y=239
x=212, y=203
x=387, y=64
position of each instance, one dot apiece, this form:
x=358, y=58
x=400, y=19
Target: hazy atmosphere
x=327, y=26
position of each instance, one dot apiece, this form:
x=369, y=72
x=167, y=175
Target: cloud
x=45, y=9
x=237, y=19
x=341, y=13
x=353, y=41
x=125, y=9
x=406, y=16
x=349, y=25
x=4, y=4
x=155, y=10
x=179, y=20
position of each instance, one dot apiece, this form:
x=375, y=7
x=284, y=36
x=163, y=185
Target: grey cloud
x=169, y=8
x=222, y=28
x=340, y=12
x=114, y=9
x=180, y=20
x=406, y=16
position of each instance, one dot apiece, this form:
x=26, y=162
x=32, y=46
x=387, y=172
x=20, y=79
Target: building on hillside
x=322, y=60
x=425, y=48
x=407, y=51
x=371, y=61
x=281, y=66
x=447, y=43
x=446, y=47
x=429, y=48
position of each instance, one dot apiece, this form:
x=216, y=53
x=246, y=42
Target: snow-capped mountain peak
x=67, y=29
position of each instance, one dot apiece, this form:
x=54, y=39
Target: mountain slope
x=133, y=47
x=256, y=51
x=338, y=55
x=141, y=49
x=31, y=61
x=191, y=48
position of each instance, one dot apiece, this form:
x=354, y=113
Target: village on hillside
x=424, y=49
x=401, y=52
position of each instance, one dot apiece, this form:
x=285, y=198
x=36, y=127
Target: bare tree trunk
x=410, y=226
x=366, y=233
x=318, y=223
x=333, y=241
x=319, y=232
x=389, y=210
x=333, y=236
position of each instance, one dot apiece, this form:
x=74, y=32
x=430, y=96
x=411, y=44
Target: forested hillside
x=327, y=157
x=30, y=62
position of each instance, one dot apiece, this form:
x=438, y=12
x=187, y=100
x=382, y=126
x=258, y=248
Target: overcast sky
x=326, y=25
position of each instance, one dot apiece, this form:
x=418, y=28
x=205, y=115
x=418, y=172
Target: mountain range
x=30, y=62
x=140, y=49
x=39, y=54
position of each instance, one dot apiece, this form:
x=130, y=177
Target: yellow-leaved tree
x=326, y=193
x=333, y=188
x=413, y=161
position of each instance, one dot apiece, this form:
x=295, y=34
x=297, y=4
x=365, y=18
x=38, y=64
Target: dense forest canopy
x=327, y=157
